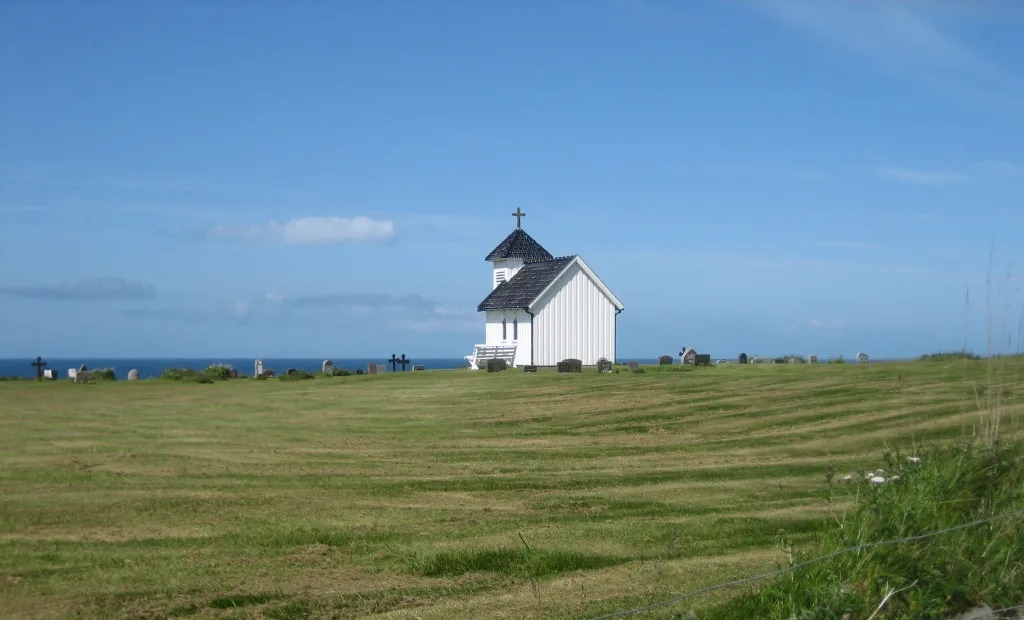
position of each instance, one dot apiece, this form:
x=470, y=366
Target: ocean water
x=155, y=367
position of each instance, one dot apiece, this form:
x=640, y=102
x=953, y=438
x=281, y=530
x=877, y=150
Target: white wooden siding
x=574, y=319
x=493, y=334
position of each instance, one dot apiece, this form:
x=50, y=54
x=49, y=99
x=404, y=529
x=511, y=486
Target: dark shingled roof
x=523, y=288
x=519, y=245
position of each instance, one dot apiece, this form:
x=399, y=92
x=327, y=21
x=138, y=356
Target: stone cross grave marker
x=404, y=362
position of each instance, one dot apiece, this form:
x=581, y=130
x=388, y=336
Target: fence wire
x=789, y=569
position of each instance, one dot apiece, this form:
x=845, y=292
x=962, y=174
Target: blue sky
x=324, y=179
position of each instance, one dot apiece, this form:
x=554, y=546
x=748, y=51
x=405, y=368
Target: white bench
x=484, y=352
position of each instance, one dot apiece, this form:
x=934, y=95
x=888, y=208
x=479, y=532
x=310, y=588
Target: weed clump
x=296, y=375
x=932, y=577
x=949, y=357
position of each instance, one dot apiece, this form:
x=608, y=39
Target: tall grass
x=934, y=577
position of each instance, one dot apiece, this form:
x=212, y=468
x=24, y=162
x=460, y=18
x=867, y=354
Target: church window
x=515, y=329
x=504, y=329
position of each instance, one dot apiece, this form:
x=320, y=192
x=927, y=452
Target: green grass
x=404, y=495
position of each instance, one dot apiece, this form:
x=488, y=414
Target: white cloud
x=852, y=245
x=922, y=177
x=310, y=231
x=918, y=39
x=1003, y=167
x=437, y=325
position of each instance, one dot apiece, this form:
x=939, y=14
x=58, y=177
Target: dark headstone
x=83, y=376
x=665, y=360
x=703, y=359
x=496, y=365
x=415, y=368
x=570, y=365
x=268, y=373
x=290, y=371
x=603, y=365
x=529, y=368
x=743, y=358
x=633, y=366
x=359, y=371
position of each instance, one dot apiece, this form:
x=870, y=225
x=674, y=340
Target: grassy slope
x=404, y=495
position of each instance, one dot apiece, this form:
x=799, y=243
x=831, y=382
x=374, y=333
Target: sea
x=154, y=367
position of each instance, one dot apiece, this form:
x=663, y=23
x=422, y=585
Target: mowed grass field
x=416, y=495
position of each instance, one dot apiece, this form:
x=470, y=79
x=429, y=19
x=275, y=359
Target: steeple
x=519, y=245
x=517, y=249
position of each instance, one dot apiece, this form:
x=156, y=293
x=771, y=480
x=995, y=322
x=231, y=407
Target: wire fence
x=789, y=569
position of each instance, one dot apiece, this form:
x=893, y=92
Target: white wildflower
x=914, y=459
x=877, y=480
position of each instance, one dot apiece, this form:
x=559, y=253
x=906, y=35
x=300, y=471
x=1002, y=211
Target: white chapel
x=542, y=310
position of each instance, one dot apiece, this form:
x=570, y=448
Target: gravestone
x=529, y=368
x=258, y=370
x=665, y=360
x=327, y=367
x=812, y=359
x=702, y=359
x=633, y=366
x=233, y=373
x=50, y=373
x=496, y=365
x=359, y=371
x=269, y=373
x=793, y=360
x=688, y=356
x=862, y=358
x=82, y=368
x=39, y=365
x=417, y=367
x=371, y=368
x=133, y=374
x=290, y=371
x=83, y=376
x=72, y=372
x=570, y=365
x=603, y=365
x=743, y=358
